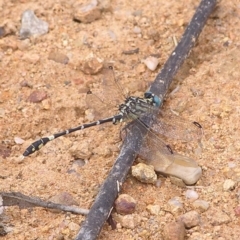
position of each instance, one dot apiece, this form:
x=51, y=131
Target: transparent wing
x=170, y=164
x=152, y=148
x=156, y=153
x=112, y=90
x=97, y=106
x=104, y=101
x=175, y=127
x=167, y=163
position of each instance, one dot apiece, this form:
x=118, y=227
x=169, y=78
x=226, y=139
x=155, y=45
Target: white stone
x=191, y=194
x=228, y=185
x=151, y=62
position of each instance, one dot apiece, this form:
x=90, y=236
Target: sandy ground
x=207, y=91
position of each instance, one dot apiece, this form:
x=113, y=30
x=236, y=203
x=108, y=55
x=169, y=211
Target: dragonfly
x=130, y=110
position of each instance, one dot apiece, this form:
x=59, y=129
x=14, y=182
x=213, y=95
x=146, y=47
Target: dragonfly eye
x=155, y=99
x=148, y=95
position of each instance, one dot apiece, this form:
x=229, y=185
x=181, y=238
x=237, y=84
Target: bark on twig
x=102, y=206
x=23, y=201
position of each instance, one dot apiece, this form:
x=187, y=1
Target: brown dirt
x=208, y=93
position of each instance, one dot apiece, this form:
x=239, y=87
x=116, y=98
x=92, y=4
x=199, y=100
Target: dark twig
x=23, y=201
x=130, y=52
x=103, y=204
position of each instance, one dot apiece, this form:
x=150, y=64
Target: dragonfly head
x=154, y=99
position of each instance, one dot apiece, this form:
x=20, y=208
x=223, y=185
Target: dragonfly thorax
x=135, y=107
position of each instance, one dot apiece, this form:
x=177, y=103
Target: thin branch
x=23, y=201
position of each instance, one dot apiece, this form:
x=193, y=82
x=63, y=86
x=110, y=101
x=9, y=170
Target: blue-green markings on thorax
x=155, y=99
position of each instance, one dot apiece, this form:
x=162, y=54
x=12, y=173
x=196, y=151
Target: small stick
x=23, y=201
x=130, y=52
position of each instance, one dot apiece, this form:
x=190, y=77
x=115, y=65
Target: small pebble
x=79, y=163
x=144, y=173
x=191, y=194
x=91, y=65
x=125, y=204
x=37, y=96
x=174, y=231
x=137, y=30
x=228, y=185
x=175, y=206
x=25, y=83
x=18, y=140
x=201, y=205
x=220, y=217
x=126, y=221
x=65, y=43
x=151, y=62
x=58, y=57
x=190, y=219
x=80, y=151
x=73, y=226
x=31, y=25
x=87, y=13
x=46, y=104
x=153, y=209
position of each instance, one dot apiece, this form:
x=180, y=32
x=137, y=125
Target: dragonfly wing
x=152, y=149
x=156, y=153
x=97, y=106
x=105, y=102
x=112, y=90
x=175, y=127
